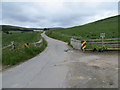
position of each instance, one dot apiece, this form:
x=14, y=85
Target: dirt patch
x=107, y=59
x=100, y=72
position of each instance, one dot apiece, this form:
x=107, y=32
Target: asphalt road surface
x=43, y=71
x=61, y=67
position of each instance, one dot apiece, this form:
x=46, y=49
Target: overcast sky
x=56, y=14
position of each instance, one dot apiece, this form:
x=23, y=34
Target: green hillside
x=17, y=28
x=11, y=28
x=109, y=26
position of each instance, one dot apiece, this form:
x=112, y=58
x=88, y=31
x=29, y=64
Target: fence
x=39, y=43
x=112, y=43
x=75, y=43
x=12, y=45
x=7, y=46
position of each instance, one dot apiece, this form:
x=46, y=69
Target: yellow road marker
x=83, y=42
x=83, y=47
x=26, y=45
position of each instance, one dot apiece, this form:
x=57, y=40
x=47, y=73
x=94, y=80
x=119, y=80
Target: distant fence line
x=92, y=43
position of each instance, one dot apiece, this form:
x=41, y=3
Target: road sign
x=83, y=47
x=102, y=35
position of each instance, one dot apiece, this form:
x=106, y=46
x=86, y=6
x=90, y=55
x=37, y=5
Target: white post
x=102, y=35
x=102, y=41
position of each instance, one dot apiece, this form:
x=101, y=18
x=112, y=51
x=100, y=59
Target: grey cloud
x=65, y=14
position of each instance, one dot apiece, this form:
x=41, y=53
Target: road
x=59, y=66
x=43, y=71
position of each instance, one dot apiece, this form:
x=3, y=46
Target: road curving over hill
x=59, y=66
x=43, y=71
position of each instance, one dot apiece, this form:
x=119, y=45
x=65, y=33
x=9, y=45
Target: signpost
x=102, y=35
x=83, y=47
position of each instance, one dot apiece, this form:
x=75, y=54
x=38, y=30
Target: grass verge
x=20, y=54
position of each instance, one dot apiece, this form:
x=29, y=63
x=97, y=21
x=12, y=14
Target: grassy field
x=19, y=37
x=109, y=26
x=12, y=57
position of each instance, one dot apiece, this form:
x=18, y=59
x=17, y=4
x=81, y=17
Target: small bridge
x=110, y=44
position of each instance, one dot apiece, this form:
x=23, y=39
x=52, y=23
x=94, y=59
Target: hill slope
x=18, y=28
x=109, y=26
